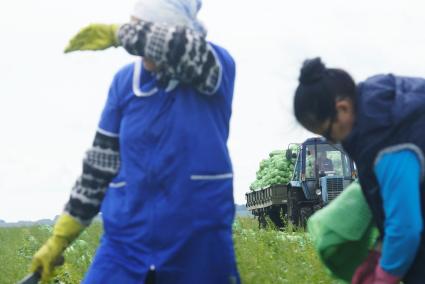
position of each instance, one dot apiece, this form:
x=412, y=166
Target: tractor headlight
x=318, y=191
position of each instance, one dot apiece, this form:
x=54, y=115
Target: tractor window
x=310, y=162
x=325, y=159
x=346, y=168
x=297, y=170
x=331, y=161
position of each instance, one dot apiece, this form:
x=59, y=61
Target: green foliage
x=263, y=256
x=272, y=257
x=274, y=170
x=18, y=245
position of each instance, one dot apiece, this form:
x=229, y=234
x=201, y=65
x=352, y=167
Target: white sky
x=50, y=103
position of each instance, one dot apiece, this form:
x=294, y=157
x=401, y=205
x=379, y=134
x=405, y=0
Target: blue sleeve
x=111, y=115
x=398, y=174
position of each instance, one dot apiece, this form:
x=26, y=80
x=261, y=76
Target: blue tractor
x=321, y=173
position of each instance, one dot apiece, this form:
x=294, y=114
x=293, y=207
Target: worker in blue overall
x=380, y=123
x=159, y=169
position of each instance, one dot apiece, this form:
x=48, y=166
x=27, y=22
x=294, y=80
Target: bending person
x=380, y=124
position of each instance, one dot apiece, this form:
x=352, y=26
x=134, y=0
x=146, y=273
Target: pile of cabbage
x=275, y=170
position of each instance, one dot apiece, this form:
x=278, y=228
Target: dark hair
x=319, y=87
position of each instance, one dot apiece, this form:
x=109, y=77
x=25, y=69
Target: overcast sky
x=50, y=103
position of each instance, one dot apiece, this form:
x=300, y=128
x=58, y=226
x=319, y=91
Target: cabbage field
x=264, y=256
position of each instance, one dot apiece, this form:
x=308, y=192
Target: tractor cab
x=322, y=170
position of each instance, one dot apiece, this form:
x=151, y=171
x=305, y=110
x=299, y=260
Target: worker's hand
x=370, y=272
x=65, y=231
x=383, y=277
x=45, y=258
x=94, y=37
x=365, y=273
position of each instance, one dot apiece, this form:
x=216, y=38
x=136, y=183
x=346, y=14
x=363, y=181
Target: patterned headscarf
x=171, y=12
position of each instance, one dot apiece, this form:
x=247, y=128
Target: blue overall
x=390, y=117
x=170, y=209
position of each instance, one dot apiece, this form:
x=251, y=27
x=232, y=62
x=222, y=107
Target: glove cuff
x=67, y=228
x=114, y=30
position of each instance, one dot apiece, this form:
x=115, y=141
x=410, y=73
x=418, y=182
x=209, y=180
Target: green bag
x=343, y=232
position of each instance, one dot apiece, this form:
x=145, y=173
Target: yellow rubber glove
x=94, y=37
x=65, y=231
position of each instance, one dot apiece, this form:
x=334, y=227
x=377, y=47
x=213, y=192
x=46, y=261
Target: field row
x=264, y=256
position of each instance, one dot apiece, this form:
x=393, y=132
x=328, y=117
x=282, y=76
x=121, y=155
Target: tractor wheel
x=293, y=207
x=305, y=213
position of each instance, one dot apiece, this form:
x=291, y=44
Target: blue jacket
x=390, y=116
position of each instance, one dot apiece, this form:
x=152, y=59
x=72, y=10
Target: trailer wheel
x=275, y=214
x=262, y=222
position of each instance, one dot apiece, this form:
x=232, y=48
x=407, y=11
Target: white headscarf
x=171, y=12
